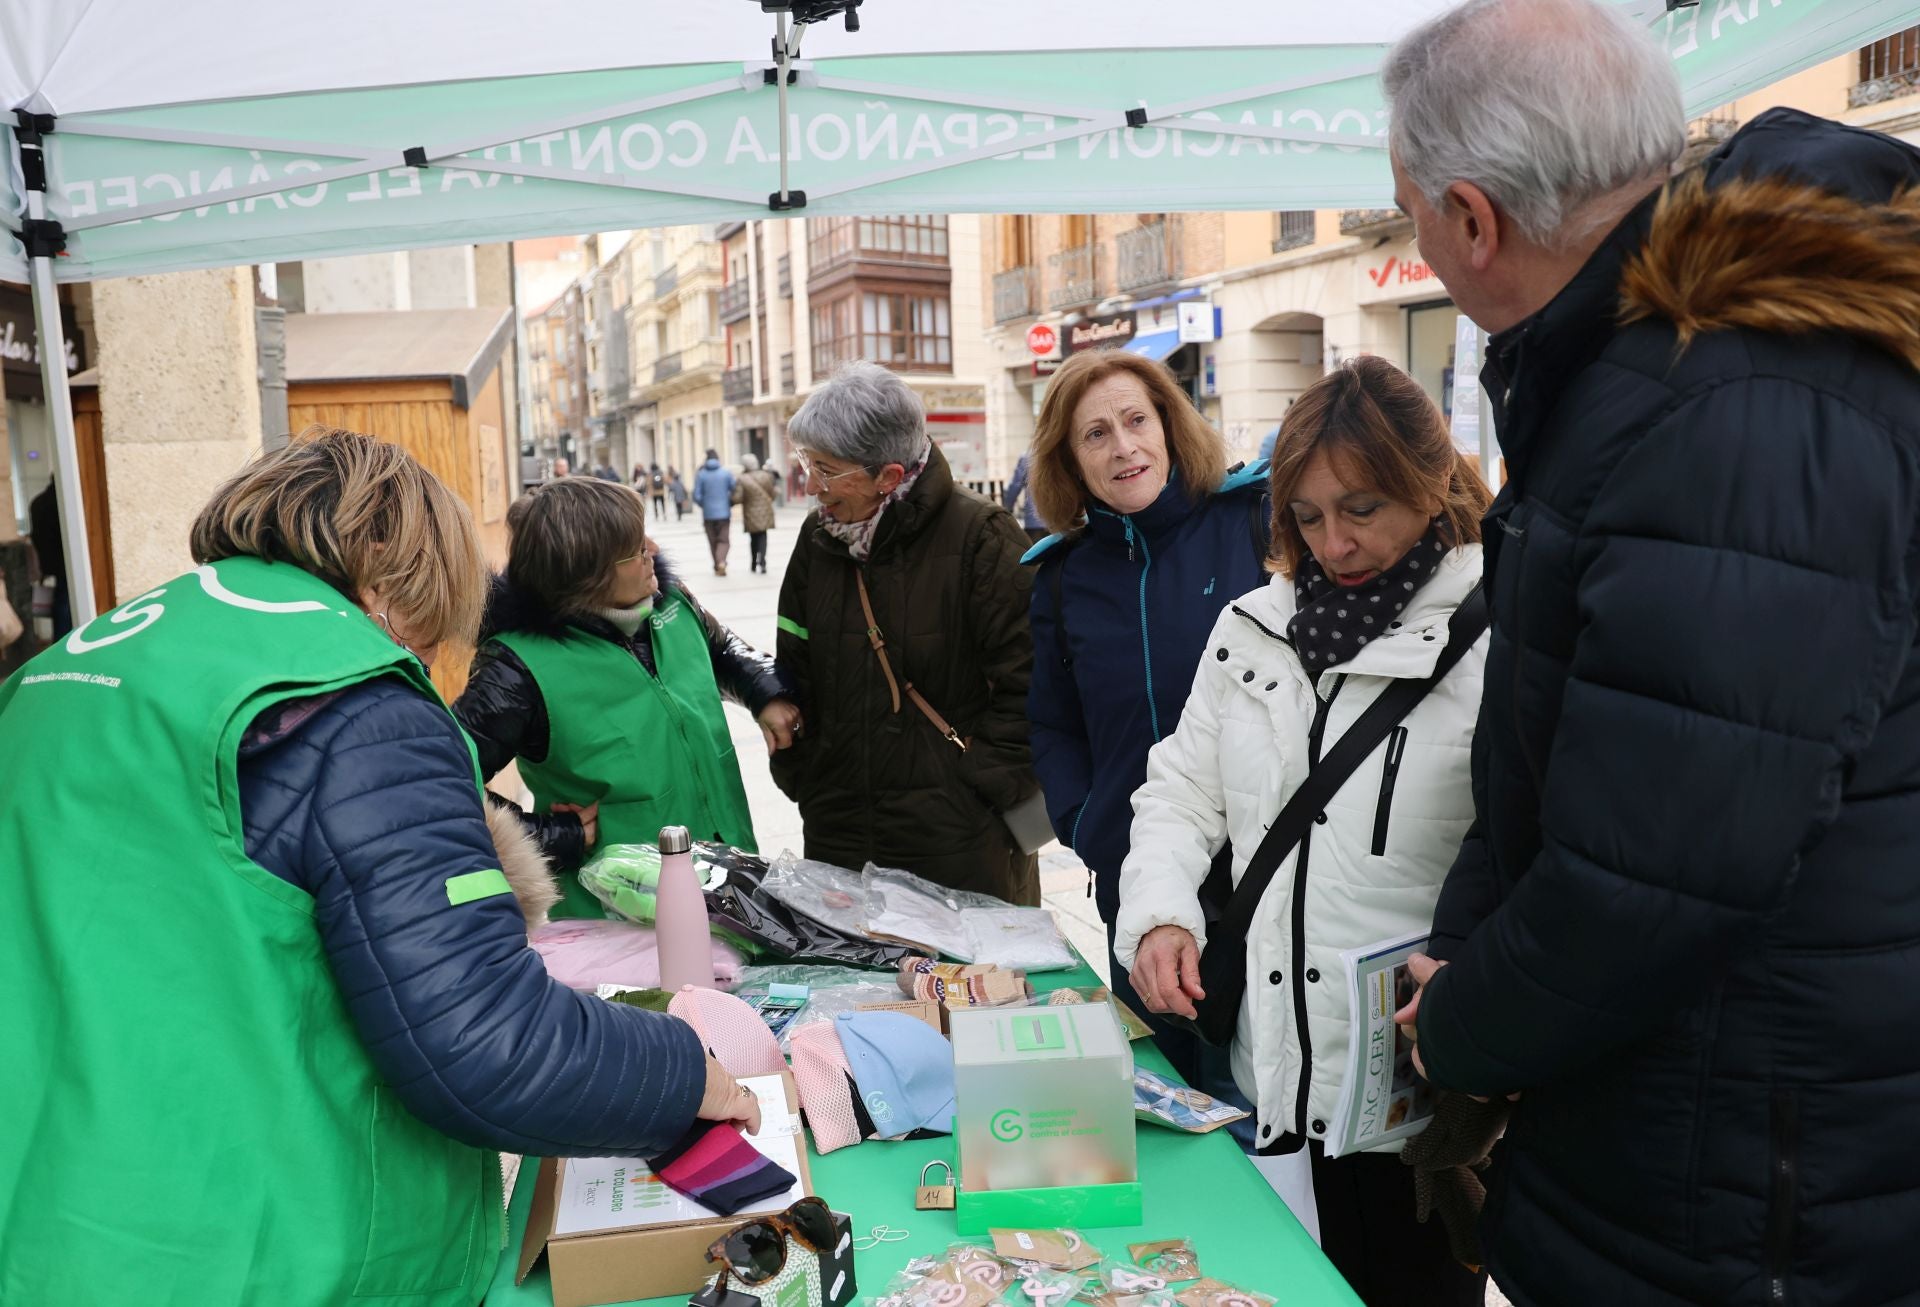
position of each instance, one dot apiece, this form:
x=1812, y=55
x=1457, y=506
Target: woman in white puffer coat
x=1376, y=524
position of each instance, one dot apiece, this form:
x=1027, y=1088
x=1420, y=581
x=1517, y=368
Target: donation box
x=1044, y=1118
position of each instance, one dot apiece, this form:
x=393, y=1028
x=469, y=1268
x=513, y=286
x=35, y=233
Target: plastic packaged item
x=681, y=919
x=1045, y=1288
x=832, y=896
x=826, y=1004
x=981, y=1266
x=1123, y=1284
x=582, y=953
x=900, y=907
x=740, y=905
x=1172, y=1259
x=1130, y=1021
x=1212, y=1293
x=1160, y=1101
x=1066, y=1250
x=1019, y=939
x=801, y=973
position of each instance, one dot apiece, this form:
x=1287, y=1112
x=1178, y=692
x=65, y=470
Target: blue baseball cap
x=903, y=1069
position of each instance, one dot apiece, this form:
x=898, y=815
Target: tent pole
x=53, y=376
x=780, y=59
x=42, y=241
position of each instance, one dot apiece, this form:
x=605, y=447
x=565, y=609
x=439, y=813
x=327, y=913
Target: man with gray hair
x=1684, y=930
x=903, y=620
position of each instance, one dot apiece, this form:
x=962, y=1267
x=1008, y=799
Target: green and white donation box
x=1044, y=1116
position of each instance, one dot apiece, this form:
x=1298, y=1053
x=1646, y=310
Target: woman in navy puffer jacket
x=1125, y=596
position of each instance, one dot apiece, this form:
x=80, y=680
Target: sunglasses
x=757, y=1251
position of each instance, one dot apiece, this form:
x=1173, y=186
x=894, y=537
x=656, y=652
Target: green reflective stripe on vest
x=792, y=627
x=190, y=1117
x=651, y=748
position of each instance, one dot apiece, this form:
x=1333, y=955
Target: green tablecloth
x=1198, y=1187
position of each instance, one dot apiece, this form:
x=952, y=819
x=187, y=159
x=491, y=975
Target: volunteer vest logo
x=663, y=614
x=144, y=612
x=1005, y=1126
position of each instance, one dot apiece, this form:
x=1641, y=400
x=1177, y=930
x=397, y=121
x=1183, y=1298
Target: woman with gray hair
x=903, y=623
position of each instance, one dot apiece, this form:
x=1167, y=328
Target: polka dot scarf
x=1334, y=623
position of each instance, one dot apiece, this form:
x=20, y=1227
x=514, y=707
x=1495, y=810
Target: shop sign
x=1400, y=276
x=1199, y=322
x=1042, y=340
x=1101, y=333
x=20, y=338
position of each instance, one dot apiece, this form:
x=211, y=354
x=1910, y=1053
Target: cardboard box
x=615, y=1265
x=922, y=1009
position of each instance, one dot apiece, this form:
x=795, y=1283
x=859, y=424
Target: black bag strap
x=1325, y=779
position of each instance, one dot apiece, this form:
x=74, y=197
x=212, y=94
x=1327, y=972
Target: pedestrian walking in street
x=302, y=953
x=606, y=472
x=1018, y=486
x=1684, y=927
x=678, y=489
x=900, y=572
x=713, y=492
x=754, y=492
x=561, y=468
x=656, y=481
x=1376, y=531
x=587, y=617
x=1122, y=602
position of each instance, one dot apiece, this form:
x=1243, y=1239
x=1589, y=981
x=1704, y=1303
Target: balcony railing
x=1292, y=229
x=1074, y=276
x=665, y=280
x=667, y=365
x=1888, y=69
x=1354, y=221
x=736, y=385
x=735, y=301
x=786, y=374
x=1716, y=125
x=1149, y=255
x=1014, y=294
x=786, y=276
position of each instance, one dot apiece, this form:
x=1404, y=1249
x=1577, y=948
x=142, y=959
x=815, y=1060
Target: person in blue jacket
x=713, y=491
x=1154, y=535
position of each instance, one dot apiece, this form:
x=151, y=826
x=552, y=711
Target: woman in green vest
x=603, y=678
x=271, y=1008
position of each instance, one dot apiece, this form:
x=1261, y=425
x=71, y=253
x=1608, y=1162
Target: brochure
x=620, y=1193
x=1382, y=1098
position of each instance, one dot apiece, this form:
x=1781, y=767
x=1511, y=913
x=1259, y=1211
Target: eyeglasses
x=808, y=469
x=757, y=1251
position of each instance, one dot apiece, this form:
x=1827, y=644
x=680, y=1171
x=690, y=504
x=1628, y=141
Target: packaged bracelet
x=1212, y=1293
x=1172, y=1258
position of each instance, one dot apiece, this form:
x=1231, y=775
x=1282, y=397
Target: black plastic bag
x=775, y=931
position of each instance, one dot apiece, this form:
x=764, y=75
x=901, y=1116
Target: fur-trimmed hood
x=511, y=609
x=1795, y=225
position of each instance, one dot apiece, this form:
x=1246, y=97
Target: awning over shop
x=1155, y=346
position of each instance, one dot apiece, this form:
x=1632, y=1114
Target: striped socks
x=714, y=1165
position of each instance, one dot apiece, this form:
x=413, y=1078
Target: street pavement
x=749, y=603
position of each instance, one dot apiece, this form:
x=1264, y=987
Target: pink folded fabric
x=582, y=954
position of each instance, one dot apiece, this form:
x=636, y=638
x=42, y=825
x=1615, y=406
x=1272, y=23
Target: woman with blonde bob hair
x=1376, y=541
x=1154, y=536
x=256, y=925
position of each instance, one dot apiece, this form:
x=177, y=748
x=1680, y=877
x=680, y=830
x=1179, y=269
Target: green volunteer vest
x=188, y=1115
x=651, y=747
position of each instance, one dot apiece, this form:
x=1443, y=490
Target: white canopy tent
x=208, y=133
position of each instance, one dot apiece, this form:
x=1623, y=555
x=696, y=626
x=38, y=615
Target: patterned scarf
x=858, y=536
x=1334, y=622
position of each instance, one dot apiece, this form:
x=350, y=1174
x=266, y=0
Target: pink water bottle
x=680, y=916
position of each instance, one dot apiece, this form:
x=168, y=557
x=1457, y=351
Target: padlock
x=934, y=1197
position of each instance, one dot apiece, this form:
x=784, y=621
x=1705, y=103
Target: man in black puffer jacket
x=1685, y=928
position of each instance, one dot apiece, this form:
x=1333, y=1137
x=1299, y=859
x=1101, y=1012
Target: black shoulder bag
x=1223, y=963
